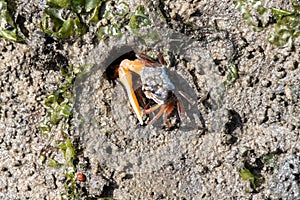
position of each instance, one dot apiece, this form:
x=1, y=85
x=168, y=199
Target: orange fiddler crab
x=156, y=86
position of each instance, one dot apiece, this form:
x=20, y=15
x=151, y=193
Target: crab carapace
x=156, y=86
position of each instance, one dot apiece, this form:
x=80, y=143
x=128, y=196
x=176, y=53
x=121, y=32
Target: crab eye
x=148, y=88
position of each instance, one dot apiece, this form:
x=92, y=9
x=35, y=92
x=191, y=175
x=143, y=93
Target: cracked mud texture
x=254, y=126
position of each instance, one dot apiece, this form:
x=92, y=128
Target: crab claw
x=126, y=79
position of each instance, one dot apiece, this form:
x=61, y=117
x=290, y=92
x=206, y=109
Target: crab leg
x=152, y=109
x=181, y=110
x=126, y=79
x=168, y=111
x=157, y=116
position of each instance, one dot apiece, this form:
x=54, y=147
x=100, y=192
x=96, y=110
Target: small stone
x=291, y=65
x=262, y=116
x=266, y=83
x=291, y=127
x=288, y=92
x=230, y=139
x=280, y=74
x=80, y=177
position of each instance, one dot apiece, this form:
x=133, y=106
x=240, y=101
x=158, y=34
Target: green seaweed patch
x=252, y=11
x=54, y=163
x=8, y=28
x=68, y=166
x=69, y=152
x=76, y=6
x=92, y=4
x=59, y=104
x=287, y=27
x=270, y=161
x=120, y=10
x=253, y=176
x=287, y=23
x=109, y=30
x=70, y=155
x=231, y=74
x=65, y=18
x=139, y=19
x=117, y=20
x=53, y=23
x=93, y=7
x=247, y=175
x=59, y=3
x=267, y=159
x=253, y=169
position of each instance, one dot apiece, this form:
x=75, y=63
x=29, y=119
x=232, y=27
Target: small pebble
x=280, y=74
x=266, y=83
x=262, y=116
x=80, y=177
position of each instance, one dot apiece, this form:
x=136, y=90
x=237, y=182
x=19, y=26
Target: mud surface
x=240, y=141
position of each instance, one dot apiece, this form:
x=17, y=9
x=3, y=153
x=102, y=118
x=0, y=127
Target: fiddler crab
x=156, y=86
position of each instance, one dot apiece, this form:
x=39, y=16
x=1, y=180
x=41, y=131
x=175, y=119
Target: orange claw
x=126, y=79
